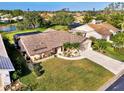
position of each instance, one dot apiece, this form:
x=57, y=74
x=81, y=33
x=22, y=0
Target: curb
x=110, y=82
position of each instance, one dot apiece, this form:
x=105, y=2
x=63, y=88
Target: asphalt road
x=117, y=85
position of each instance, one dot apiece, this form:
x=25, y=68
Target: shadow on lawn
x=17, y=59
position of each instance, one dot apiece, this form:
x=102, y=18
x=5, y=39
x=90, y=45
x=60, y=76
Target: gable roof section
x=5, y=63
x=111, y=27
x=42, y=42
x=104, y=29
x=85, y=28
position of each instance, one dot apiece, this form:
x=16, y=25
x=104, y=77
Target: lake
x=8, y=28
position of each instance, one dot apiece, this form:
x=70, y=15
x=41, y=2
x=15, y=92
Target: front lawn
x=68, y=75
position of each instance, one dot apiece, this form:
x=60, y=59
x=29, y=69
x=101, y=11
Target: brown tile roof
x=104, y=28
x=42, y=42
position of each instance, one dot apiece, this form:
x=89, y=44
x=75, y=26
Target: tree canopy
x=100, y=45
x=115, y=6
x=118, y=40
x=62, y=18
x=31, y=20
x=87, y=18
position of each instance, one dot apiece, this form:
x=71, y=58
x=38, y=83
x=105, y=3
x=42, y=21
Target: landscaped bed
x=68, y=75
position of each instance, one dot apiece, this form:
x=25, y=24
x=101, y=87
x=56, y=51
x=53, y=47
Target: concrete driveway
x=111, y=64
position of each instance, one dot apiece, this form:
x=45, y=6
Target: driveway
x=112, y=65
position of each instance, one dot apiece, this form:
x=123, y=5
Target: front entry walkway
x=112, y=65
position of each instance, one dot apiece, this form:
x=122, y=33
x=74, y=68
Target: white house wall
x=5, y=76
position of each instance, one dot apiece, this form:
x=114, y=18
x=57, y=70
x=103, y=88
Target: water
x=8, y=28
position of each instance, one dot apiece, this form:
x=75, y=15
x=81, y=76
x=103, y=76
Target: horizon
x=53, y=6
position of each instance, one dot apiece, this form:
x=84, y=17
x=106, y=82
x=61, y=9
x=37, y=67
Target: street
x=117, y=85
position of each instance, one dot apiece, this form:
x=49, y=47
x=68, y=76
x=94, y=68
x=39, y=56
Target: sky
x=53, y=6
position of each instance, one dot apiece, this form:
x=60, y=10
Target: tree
x=115, y=19
x=17, y=12
x=115, y=6
x=31, y=20
x=101, y=17
x=122, y=25
x=62, y=18
x=9, y=16
x=118, y=40
x=100, y=45
x=22, y=26
x=87, y=18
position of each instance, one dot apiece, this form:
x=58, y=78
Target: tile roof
x=42, y=42
x=5, y=62
x=103, y=28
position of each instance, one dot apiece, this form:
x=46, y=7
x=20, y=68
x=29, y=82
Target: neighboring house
x=17, y=18
x=4, y=20
x=5, y=66
x=97, y=29
x=38, y=46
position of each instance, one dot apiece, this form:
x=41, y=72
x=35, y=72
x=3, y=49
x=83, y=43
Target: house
x=36, y=47
x=4, y=20
x=17, y=18
x=97, y=29
x=5, y=66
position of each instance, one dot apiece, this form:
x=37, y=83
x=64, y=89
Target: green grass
x=9, y=35
x=68, y=75
x=60, y=27
x=114, y=54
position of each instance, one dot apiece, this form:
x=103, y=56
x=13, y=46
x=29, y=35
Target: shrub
x=15, y=75
x=38, y=69
x=100, y=45
x=69, y=45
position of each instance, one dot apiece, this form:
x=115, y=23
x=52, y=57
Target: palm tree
x=9, y=16
x=118, y=40
x=122, y=25
x=100, y=45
